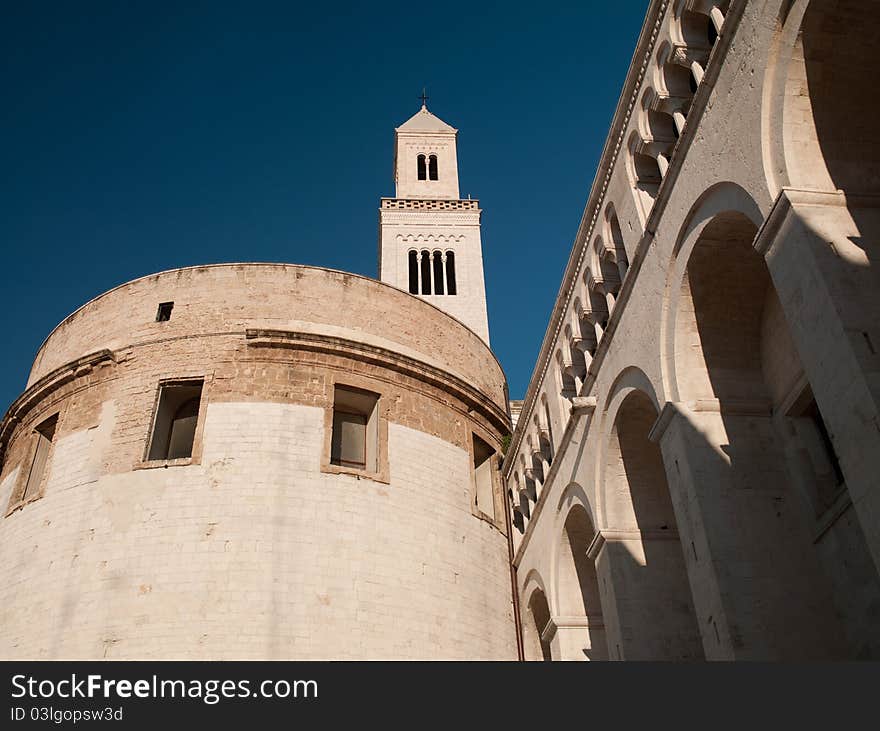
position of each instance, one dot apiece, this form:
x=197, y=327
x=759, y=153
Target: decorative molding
x=474, y=399
x=428, y=204
x=733, y=407
x=46, y=385
x=583, y=405
x=616, y=535
x=789, y=198
x=589, y=621
x=442, y=238
x=664, y=419
x=743, y=407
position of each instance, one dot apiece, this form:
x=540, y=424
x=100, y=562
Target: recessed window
x=413, y=272
x=451, y=287
x=420, y=164
x=355, y=438
x=177, y=415
x=45, y=435
x=163, y=314
x=426, y=272
x=431, y=272
x=432, y=167
x=485, y=495
x=437, y=258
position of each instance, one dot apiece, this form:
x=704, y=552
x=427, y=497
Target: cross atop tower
x=424, y=97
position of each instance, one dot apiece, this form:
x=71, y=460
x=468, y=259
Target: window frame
x=17, y=498
x=353, y=382
x=496, y=520
x=196, y=453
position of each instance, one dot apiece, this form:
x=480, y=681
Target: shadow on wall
x=760, y=477
x=729, y=531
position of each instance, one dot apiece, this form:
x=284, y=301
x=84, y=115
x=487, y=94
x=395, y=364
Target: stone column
x=822, y=252
x=630, y=595
x=575, y=638
x=757, y=587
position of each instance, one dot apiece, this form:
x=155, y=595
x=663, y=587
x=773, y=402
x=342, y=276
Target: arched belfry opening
x=756, y=440
x=641, y=561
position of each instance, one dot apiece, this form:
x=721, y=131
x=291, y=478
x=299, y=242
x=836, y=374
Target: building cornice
x=48, y=384
x=473, y=398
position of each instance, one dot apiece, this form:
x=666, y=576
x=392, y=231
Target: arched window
x=413, y=272
x=432, y=167
x=438, y=272
x=426, y=272
x=450, y=273
x=421, y=167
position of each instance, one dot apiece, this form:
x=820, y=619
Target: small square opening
x=163, y=314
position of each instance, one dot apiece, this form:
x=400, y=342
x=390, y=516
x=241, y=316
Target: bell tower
x=429, y=238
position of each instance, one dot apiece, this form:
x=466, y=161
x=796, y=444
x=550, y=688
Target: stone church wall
x=256, y=546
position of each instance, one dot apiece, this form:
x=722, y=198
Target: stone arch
x=693, y=26
x=515, y=497
x=536, y=618
x=673, y=78
x=614, y=236
x=644, y=173
x=640, y=560
x=725, y=198
x=580, y=628
x=755, y=433
x=819, y=122
x=568, y=388
x=573, y=358
x=717, y=340
x=547, y=425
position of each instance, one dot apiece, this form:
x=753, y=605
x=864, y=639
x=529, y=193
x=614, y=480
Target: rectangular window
x=174, y=426
x=45, y=434
x=164, y=312
x=485, y=495
x=355, y=439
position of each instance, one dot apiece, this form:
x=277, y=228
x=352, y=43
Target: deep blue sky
x=137, y=137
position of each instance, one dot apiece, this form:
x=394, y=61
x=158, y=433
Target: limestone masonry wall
x=255, y=547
